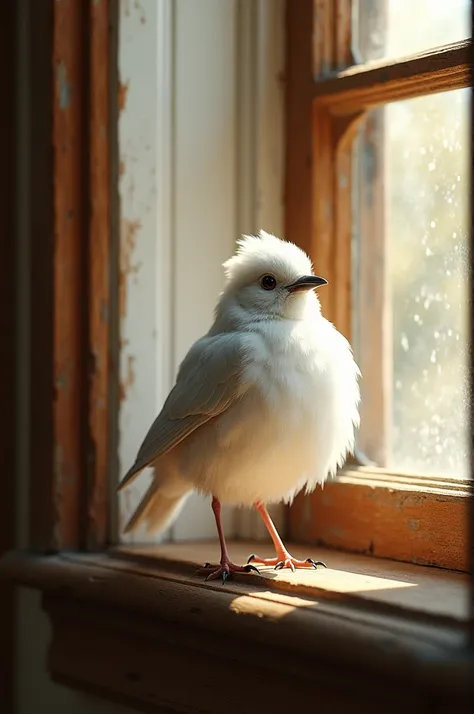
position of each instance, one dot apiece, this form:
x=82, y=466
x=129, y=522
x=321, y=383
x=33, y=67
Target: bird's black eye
x=268, y=282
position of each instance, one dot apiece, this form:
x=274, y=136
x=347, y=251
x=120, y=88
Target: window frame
x=71, y=426
x=142, y=612
x=328, y=97
x=71, y=254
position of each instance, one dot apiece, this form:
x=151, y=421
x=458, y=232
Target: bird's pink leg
x=226, y=567
x=283, y=558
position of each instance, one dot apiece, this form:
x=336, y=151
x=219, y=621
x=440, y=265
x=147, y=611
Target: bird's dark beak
x=307, y=282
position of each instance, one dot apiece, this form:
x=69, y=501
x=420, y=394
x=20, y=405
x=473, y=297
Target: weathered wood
x=322, y=37
x=70, y=241
x=371, y=292
x=129, y=630
x=69, y=256
x=343, y=55
x=364, y=86
x=100, y=312
x=323, y=201
x=299, y=120
x=146, y=669
x=389, y=520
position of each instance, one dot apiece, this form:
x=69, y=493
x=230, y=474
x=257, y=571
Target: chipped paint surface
x=181, y=205
x=129, y=378
x=138, y=259
x=63, y=87
x=141, y=11
x=128, y=241
x=122, y=95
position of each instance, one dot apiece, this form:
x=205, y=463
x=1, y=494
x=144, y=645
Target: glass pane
x=410, y=247
x=394, y=28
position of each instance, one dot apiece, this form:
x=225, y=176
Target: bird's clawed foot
x=285, y=560
x=224, y=570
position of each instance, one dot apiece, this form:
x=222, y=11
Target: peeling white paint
x=201, y=153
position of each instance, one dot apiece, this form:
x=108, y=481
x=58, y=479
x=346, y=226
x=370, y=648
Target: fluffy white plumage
x=264, y=405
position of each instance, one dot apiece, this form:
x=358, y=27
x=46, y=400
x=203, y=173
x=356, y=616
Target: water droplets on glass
x=425, y=180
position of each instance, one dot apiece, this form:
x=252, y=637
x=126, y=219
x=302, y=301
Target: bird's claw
x=224, y=571
x=285, y=560
x=315, y=563
x=282, y=563
x=249, y=568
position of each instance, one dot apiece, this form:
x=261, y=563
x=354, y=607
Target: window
x=194, y=153
x=387, y=209
x=411, y=197
x=338, y=113
x=377, y=631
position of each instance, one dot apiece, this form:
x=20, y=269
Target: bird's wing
x=208, y=382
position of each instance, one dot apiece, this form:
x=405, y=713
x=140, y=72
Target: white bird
x=264, y=405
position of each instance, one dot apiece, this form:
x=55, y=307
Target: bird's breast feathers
x=294, y=422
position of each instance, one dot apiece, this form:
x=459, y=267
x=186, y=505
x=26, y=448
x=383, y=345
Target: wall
x=201, y=150
x=201, y=161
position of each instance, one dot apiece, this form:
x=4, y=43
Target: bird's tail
x=158, y=508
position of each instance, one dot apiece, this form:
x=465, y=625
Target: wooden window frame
x=71, y=308
x=74, y=301
x=364, y=509
x=115, y=614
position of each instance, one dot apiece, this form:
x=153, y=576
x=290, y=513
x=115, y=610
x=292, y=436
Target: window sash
x=328, y=98
x=70, y=306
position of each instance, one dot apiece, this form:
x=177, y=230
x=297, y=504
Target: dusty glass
x=411, y=209
x=387, y=29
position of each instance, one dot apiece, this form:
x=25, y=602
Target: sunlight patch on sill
x=342, y=581
x=372, y=582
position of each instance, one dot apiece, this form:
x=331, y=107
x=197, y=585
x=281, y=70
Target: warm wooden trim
x=69, y=58
x=321, y=21
x=442, y=485
x=388, y=518
x=113, y=620
x=343, y=54
x=330, y=211
x=57, y=246
x=8, y=337
x=298, y=100
x=99, y=268
x=331, y=42
x=341, y=103
x=370, y=298
x=70, y=273
x=364, y=86
x=433, y=595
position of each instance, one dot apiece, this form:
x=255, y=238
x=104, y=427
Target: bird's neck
x=230, y=316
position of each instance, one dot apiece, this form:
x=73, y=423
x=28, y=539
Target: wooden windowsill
x=412, y=519
x=398, y=588
x=135, y=625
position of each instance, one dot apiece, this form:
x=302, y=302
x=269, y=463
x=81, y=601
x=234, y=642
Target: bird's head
x=271, y=277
